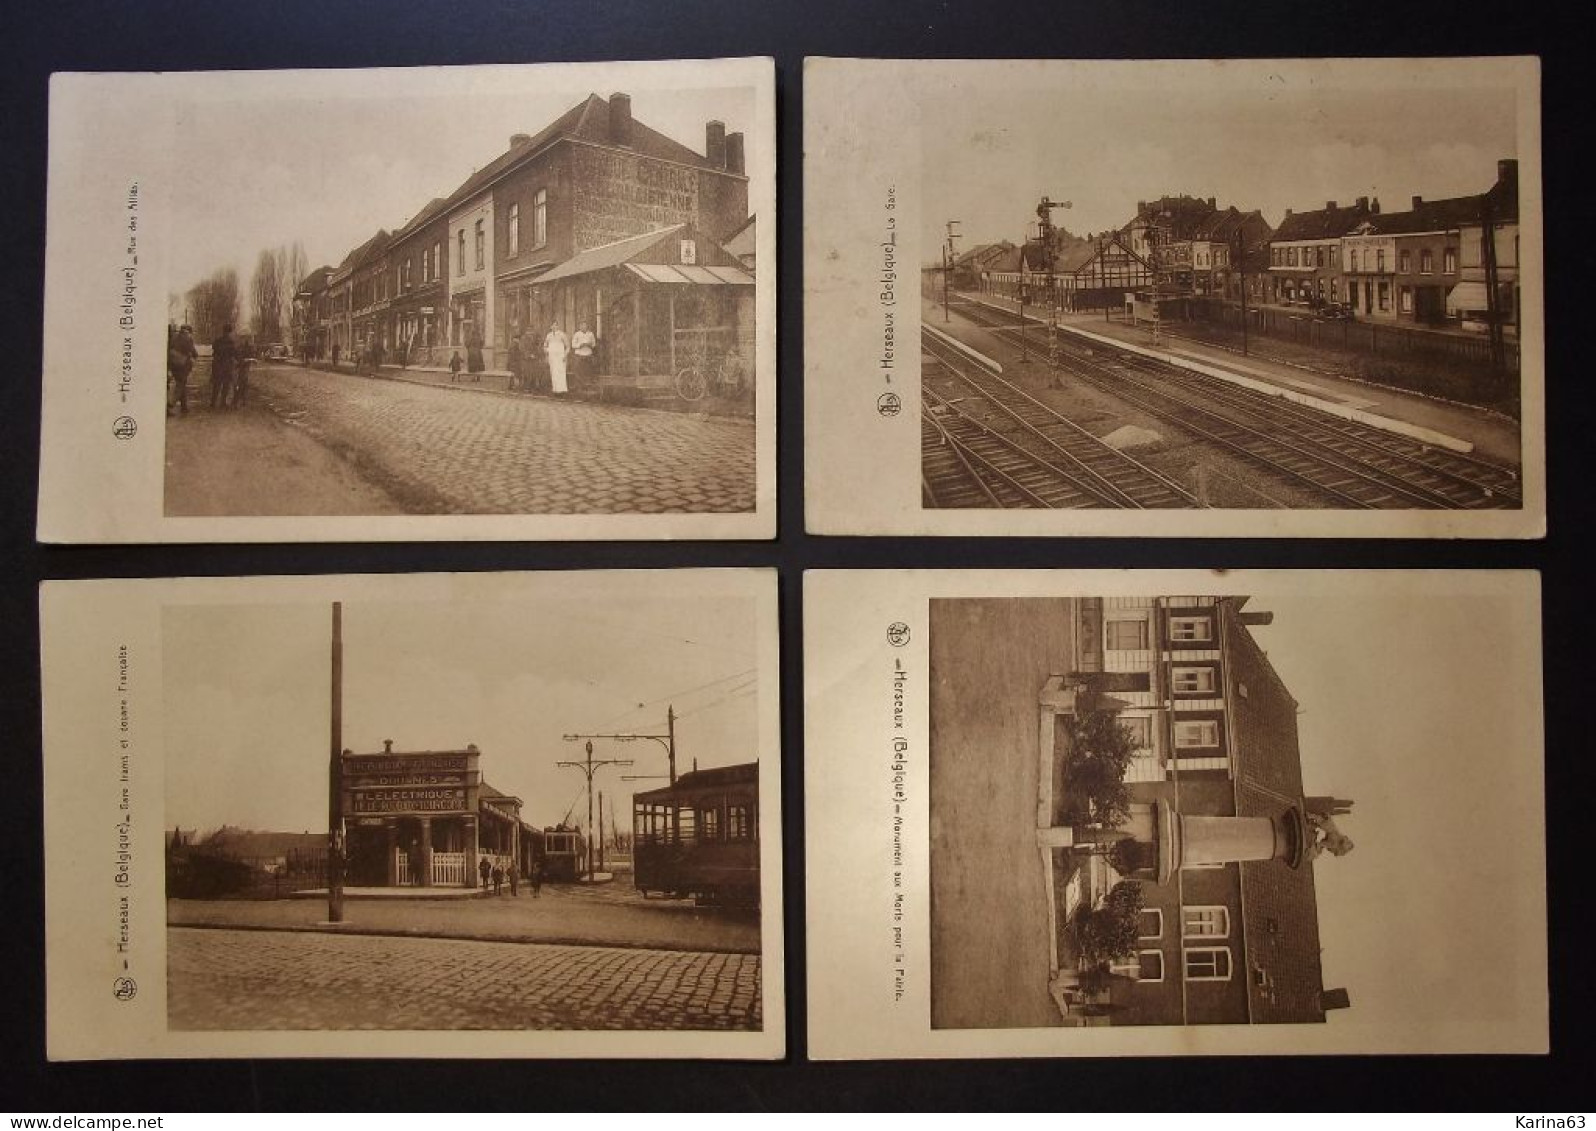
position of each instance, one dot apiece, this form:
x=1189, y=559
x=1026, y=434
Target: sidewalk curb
x=461, y=936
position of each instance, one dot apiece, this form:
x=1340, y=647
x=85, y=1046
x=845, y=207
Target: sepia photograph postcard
x=1256, y=298
x=433, y=815
x=464, y=303
x=1198, y=813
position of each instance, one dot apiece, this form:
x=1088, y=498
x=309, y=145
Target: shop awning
x=687, y=273
x=609, y=255
x=1468, y=296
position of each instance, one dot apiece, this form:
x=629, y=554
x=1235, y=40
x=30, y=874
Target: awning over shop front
x=686, y=273
x=609, y=255
x=1467, y=296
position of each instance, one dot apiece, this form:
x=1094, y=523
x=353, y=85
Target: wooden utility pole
x=335, y=775
x=947, y=269
x=1493, y=298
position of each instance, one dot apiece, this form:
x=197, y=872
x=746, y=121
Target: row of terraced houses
x=597, y=219
x=1430, y=264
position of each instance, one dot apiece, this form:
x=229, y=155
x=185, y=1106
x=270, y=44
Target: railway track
x=987, y=443
x=1358, y=465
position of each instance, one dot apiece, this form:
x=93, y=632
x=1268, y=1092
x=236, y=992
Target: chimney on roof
x=1418, y=202
x=387, y=746
x=1374, y=206
x=517, y=140
x=621, y=119
x=1329, y=206
x=734, y=153
x=1257, y=618
x=1141, y=206
x=1507, y=171
x=1363, y=204
x=1334, y=999
x=715, y=143
x=1288, y=213
x=1213, y=202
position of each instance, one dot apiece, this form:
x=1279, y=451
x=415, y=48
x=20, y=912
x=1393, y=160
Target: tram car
x=699, y=838
x=564, y=854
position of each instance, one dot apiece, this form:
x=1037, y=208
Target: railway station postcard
x=463, y=303
x=1173, y=813
x=1255, y=298
x=441, y=815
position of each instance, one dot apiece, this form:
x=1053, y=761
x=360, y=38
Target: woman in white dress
x=556, y=347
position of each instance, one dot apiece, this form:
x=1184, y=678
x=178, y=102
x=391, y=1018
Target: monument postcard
x=1240, y=298
x=445, y=815
x=499, y=302
x=1075, y=813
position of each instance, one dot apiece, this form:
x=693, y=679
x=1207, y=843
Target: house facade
x=1227, y=934
x=1307, y=254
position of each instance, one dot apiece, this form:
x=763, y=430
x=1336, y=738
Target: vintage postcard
x=467, y=815
x=1251, y=297
x=505, y=302
x=1195, y=813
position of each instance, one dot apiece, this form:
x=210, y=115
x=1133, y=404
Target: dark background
x=143, y=35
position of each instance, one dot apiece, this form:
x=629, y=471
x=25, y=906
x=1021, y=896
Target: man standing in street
x=224, y=359
x=583, y=343
x=180, y=355
x=517, y=361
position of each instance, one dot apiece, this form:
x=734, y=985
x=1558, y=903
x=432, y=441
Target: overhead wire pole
x=947, y=269
x=591, y=766
x=335, y=775
x=667, y=740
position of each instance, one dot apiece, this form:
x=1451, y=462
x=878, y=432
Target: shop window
x=1206, y=922
x=1125, y=635
x=1197, y=734
x=1193, y=681
x=514, y=230
x=1207, y=963
x=1189, y=630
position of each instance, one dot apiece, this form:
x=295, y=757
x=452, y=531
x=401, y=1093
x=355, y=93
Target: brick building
x=1306, y=253
x=1223, y=832
x=527, y=242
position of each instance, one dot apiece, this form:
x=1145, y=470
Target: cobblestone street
x=251, y=980
x=454, y=451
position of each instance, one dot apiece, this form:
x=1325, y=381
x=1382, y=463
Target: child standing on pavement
x=454, y=366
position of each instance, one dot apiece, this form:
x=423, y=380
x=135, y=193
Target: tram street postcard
x=442, y=815
x=1195, y=813
x=500, y=302
x=1252, y=297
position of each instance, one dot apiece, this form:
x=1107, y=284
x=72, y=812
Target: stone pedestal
x=1186, y=841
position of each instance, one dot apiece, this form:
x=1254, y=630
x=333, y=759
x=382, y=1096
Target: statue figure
x=1327, y=837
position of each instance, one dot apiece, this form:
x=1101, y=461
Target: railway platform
x=1490, y=435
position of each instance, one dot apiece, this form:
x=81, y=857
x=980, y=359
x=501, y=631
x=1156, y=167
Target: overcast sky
x=989, y=156
x=259, y=172
x=247, y=697
x=1408, y=706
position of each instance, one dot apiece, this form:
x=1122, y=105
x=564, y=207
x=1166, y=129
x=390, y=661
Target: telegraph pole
x=590, y=766
x=947, y=268
x=335, y=775
x=1241, y=269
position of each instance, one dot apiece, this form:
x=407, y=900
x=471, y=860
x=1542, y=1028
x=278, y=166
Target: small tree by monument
x=1101, y=749
x=1108, y=933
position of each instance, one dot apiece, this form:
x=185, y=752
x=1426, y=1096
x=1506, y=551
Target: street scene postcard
x=505, y=302
x=1195, y=813
x=1253, y=297
x=467, y=815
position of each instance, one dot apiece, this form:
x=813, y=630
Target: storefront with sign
x=659, y=303
x=426, y=818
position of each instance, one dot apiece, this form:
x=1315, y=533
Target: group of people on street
x=231, y=359
x=497, y=873
x=230, y=363
x=565, y=358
